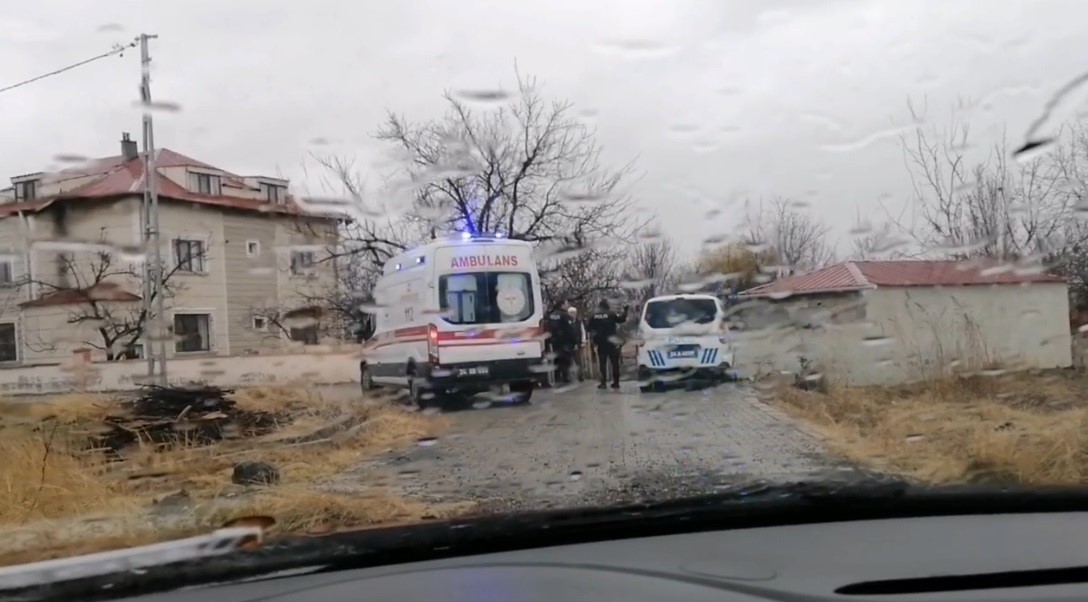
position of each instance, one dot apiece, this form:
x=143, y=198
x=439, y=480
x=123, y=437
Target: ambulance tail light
x=432, y=343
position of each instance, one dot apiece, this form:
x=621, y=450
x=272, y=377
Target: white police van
x=458, y=316
x=684, y=337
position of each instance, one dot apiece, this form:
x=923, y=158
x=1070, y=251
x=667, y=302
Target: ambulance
x=683, y=338
x=458, y=316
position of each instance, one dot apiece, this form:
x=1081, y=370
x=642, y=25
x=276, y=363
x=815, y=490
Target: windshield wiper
x=744, y=506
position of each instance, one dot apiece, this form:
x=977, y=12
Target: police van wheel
x=647, y=382
x=727, y=374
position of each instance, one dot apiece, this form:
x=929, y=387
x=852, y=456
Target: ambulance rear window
x=485, y=297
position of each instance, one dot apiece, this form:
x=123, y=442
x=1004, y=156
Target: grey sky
x=722, y=98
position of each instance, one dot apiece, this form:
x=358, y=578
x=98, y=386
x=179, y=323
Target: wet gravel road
x=589, y=447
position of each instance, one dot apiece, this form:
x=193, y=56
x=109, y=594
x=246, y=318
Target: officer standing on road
x=559, y=331
x=579, y=334
x=603, y=326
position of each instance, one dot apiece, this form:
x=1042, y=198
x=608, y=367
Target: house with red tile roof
x=879, y=322
x=243, y=255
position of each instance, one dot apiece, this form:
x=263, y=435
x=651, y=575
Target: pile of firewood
x=181, y=415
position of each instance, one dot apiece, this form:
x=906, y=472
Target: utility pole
x=155, y=331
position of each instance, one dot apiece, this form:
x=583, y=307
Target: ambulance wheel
x=366, y=379
x=416, y=392
x=452, y=400
x=522, y=392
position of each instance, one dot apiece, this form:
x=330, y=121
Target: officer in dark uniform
x=559, y=339
x=603, y=325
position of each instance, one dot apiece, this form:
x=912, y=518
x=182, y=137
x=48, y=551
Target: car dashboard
x=976, y=557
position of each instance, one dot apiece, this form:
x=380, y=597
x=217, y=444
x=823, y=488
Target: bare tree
x=348, y=297
x=526, y=168
x=93, y=286
x=734, y=265
x=1070, y=161
x=879, y=242
x=795, y=238
x=652, y=269
x=975, y=202
x=580, y=276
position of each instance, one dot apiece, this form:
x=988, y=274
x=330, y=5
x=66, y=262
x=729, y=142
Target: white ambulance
x=458, y=316
x=684, y=338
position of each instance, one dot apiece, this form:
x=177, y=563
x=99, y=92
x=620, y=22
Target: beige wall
x=205, y=292
x=231, y=287
x=49, y=334
x=319, y=236
x=252, y=281
x=918, y=332
x=320, y=365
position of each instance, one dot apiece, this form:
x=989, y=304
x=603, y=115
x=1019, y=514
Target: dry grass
x=1028, y=428
x=56, y=500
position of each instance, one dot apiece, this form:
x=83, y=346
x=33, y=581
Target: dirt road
x=585, y=446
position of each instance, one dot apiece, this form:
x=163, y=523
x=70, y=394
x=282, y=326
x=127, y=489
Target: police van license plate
x=474, y=371
x=677, y=354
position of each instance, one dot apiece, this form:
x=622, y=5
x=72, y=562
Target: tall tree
x=973, y=201
x=651, y=269
x=796, y=239
x=525, y=167
x=97, y=288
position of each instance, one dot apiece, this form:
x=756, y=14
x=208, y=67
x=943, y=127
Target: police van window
x=485, y=297
x=675, y=312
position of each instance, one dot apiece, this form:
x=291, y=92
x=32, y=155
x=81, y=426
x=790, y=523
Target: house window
x=26, y=190
x=302, y=262
x=189, y=255
x=9, y=345
x=253, y=248
x=259, y=323
x=203, y=183
x=307, y=335
x=7, y=272
x=274, y=194
x=192, y=332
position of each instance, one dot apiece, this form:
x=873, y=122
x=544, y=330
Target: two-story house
x=247, y=265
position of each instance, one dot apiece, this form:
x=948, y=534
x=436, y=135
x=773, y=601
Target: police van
x=458, y=316
x=684, y=337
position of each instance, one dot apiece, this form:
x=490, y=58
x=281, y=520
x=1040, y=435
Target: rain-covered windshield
x=313, y=268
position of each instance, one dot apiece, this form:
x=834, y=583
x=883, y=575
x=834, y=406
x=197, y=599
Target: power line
x=117, y=49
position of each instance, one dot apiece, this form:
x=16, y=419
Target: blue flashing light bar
x=470, y=235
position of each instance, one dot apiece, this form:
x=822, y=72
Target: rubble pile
x=182, y=415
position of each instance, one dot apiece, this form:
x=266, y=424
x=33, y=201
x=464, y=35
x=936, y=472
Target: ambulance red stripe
x=454, y=338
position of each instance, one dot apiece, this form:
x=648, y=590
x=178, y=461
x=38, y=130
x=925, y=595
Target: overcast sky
x=715, y=98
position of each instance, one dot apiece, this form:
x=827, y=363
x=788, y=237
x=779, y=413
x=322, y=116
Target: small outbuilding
x=885, y=322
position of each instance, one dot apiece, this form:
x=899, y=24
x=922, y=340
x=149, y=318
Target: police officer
x=579, y=339
x=559, y=331
x=603, y=326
